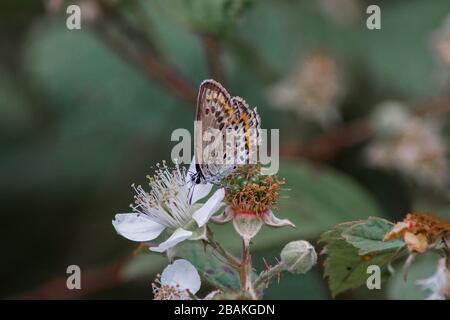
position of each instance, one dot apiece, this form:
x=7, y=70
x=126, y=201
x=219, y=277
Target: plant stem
x=266, y=275
x=246, y=270
x=234, y=262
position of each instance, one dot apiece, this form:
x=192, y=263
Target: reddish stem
x=92, y=281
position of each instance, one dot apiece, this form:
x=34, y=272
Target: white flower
x=179, y=281
x=170, y=205
x=439, y=283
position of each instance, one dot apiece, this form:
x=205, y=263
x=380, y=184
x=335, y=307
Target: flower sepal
x=273, y=221
x=224, y=217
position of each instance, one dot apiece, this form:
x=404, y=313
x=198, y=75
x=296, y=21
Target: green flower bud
x=298, y=256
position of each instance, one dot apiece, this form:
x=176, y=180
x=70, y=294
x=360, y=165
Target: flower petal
x=137, y=227
x=182, y=274
x=271, y=220
x=202, y=215
x=416, y=242
x=200, y=191
x=396, y=232
x=178, y=236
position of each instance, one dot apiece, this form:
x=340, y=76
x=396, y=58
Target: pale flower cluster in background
x=410, y=144
x=313, y=90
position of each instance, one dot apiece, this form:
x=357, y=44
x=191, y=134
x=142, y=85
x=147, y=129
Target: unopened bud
x=298, y=256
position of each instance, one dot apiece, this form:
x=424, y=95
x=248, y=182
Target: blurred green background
x=80, y=121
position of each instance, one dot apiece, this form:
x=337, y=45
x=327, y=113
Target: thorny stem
x=246, y=270
x=265, y=276
x=221, y=250
x=244, y=266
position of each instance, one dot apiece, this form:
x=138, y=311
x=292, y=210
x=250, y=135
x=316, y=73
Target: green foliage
x=98, y=105
x=368, y=236
x=205, y=16
x=79, y=124
x=16, y=115
x=347, y=260
x=144, y=265
x=315, y=198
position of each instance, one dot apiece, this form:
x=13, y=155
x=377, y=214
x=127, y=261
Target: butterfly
x=228, y=136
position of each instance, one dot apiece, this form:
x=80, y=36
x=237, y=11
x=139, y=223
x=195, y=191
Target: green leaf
x=344, y=266
x=368, y=236
x=218, y=273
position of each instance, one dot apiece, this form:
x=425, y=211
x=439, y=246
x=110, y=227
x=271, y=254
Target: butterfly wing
x=250, y=132
x=216, y=112
x=231, y=121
